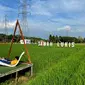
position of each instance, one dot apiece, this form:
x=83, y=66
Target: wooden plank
x=17, y=70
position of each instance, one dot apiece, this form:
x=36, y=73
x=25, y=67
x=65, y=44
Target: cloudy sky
x=47, y=17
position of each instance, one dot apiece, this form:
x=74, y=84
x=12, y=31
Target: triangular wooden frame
x=22, y=36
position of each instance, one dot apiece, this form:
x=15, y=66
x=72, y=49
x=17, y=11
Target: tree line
x=52, y=38
x=56, y=39
x=7, y=38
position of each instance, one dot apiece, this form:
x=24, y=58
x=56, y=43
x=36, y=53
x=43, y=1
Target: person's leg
x=5, y=61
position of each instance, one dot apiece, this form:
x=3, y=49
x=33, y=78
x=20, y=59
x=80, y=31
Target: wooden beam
x=26, y=50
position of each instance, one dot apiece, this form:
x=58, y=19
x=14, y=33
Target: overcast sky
x=48, y=17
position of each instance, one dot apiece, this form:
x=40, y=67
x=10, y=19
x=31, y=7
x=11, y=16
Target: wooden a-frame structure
x=22, y=36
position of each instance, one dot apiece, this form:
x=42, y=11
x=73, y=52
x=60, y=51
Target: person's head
x=17, y=57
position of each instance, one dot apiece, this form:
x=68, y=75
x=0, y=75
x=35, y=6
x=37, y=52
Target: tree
x=50, y=38
x=53, y=39
x=57, y=39
x=84, y=40
x=80, y=39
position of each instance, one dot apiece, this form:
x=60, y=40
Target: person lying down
x=7, y=61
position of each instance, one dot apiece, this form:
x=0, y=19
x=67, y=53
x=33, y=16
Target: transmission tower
x=6, y=28
x=23, y=13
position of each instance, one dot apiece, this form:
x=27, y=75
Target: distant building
x=41, y=43
x=27, y=41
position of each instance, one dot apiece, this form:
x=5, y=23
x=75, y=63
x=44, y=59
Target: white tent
x=27, y=41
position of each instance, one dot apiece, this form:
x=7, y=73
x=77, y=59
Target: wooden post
x=31, y=70
x=16, y=78
x=26, y=50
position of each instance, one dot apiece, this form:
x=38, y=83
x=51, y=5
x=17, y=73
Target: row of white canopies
x=66, y=44
x=59, y=44
x=43, y=43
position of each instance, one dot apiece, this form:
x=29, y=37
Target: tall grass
x=64, y=72
x=52, y=65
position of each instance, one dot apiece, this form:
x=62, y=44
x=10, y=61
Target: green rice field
x=52, y=65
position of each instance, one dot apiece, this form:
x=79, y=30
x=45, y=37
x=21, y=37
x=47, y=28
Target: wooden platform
x=4, y=71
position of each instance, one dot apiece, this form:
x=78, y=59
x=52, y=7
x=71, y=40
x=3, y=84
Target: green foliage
x=56, y=38
x=52, y=38
x=17, y=38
